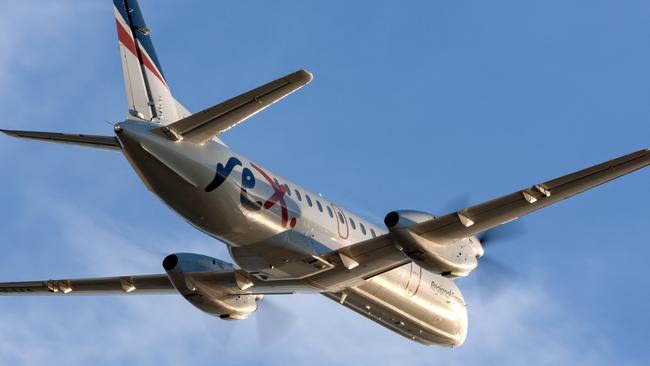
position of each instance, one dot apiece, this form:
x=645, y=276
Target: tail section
x=147, y=91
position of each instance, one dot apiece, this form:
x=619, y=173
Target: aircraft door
x=341, y=222
x=414, y=279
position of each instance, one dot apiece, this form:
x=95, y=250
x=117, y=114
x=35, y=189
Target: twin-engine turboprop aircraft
x=284, y=238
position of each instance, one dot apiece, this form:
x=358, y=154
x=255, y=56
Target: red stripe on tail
x=125, y=38
x=146, y=61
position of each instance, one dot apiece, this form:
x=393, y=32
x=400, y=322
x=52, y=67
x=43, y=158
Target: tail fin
x=147, y=91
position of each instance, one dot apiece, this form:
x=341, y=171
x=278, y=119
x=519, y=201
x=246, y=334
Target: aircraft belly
x=430, y=312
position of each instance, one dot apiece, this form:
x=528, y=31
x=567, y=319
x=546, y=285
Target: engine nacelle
x=214, y=294
x=457, y=259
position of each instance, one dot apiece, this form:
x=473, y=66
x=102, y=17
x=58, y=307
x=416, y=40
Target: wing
x=331, y=271
x=344, y=267
x=98, y=142
x=143, y=284
x=476, y=219
x=236, y=281
x=203, y=126
x=358, y=262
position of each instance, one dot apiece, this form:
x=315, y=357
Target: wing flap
x=473, y=220
x=203, y=126
x=93, y=141
x=370, y=258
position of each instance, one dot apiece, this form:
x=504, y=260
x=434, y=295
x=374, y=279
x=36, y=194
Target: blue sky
x=412, y=105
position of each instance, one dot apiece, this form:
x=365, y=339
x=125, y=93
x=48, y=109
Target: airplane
x=283, y=238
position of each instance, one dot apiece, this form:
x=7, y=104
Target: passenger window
x=363, y=228
x=288, y=190
x=341, y=218
x=329, y=211
x=372, y=232
x=320, y=207
x=277, y=184
x=354, y=227
x=308, y=200
x=298, y=195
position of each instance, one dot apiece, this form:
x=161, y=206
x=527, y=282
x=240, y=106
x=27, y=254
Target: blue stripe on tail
x=130, y=11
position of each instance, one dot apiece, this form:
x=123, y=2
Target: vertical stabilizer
x=147, y=91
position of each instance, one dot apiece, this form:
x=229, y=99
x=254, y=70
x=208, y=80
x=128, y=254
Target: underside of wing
x=327, y=271
x=358, y=262
x=143, y=284
x=344, y=268
x=475, y=219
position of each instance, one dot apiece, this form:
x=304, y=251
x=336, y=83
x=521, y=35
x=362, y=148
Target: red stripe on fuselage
x=125, y=38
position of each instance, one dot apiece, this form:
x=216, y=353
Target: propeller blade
x=455, y=203
x=223, y=330
x=273, y=321
x=493, y=277
x=500, y=233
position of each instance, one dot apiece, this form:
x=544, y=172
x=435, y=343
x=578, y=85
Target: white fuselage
x=269, y=223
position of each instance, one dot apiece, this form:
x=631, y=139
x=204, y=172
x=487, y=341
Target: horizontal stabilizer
x=203, y=126
x=93, y=141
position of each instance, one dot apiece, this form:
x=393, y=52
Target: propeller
x=455, y=204
x=273, y=321
x=503, y=232
x=493, y=276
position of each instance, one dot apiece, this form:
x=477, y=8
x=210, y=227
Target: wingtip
x=306, y=75
x=8, y=132
x=310, y=76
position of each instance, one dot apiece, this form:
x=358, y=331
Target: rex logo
x=248, y=182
